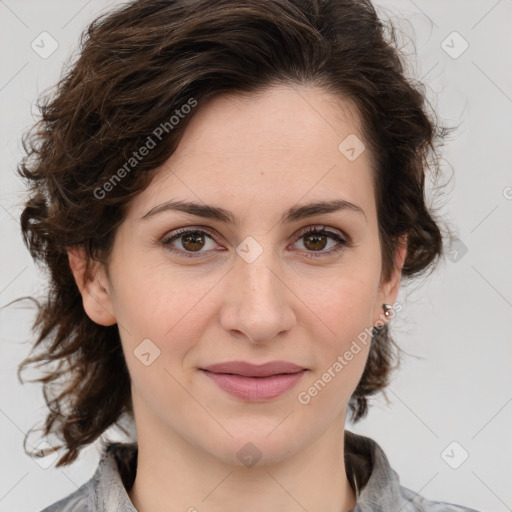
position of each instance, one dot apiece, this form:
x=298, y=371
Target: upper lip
x=252, y=370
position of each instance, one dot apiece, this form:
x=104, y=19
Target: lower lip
x=255, y=389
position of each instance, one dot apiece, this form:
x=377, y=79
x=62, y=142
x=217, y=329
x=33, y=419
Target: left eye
x=315, y=239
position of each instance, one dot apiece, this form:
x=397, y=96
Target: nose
x=258, y=302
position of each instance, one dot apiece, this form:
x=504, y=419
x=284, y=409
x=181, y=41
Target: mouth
x=253, y=383
x=246, y=369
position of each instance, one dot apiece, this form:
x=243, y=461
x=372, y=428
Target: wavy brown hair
x=136, y=68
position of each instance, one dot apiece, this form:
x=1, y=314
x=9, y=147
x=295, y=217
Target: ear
x=388, y=291
x=94, y=287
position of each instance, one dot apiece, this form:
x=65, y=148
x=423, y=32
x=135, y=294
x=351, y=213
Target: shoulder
x=377, y=485
x=105, y=490
x=417, y=503
x=77, y=501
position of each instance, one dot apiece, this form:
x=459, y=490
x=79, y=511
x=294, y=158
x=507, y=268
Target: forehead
x=268, y=148
x=273, y=117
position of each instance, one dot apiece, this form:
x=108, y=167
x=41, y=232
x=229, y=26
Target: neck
x=174, y=475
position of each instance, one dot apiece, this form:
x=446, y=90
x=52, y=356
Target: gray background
x=458, y=321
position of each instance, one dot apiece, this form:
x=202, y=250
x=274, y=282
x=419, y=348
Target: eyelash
x=334, y=235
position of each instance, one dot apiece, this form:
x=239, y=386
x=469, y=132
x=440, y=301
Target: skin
x=255, y=155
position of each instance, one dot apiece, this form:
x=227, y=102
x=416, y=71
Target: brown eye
x=188, y=242
x=193, y=242
x=317, y=239
x=315, y=242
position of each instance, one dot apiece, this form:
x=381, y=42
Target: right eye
x=190, y=240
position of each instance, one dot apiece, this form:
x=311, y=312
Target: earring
x=387, y=309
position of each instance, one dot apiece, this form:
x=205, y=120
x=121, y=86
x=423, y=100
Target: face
x=205, y=290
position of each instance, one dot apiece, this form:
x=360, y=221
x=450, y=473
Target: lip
x=253, y=370
x=255, y=383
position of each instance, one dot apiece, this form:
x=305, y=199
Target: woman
x=227, y=195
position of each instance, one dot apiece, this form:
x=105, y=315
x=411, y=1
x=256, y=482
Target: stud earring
x=387, y=309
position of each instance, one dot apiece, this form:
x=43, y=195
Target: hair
x=138, y=66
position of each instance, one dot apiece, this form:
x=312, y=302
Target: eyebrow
x=293, y=214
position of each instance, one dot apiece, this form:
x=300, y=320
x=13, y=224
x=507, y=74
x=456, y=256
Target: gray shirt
x=375, y=483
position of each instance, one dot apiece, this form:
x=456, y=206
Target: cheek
x=344, y=313
x=164, y=314
x=344, y=303
x=328, y=389
x=158, y=300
